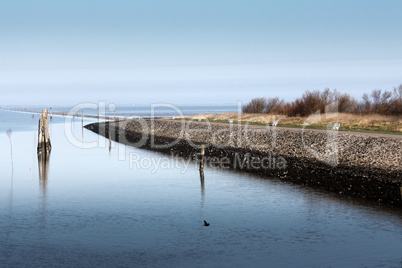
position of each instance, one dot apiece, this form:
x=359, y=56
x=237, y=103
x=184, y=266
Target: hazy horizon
x=191, y=52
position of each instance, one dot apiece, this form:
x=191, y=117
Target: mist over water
x=111, y=109
x=85, y=207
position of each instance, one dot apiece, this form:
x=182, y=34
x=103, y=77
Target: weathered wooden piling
x=202, y=154
x=44, y=145
x=202, y=179
x=400, y=188
x=110, y=138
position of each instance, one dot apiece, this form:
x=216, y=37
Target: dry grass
x=352, y=122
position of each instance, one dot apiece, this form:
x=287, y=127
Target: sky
x=195, y=52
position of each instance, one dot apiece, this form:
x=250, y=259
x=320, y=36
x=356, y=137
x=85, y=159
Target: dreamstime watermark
x=236, y=133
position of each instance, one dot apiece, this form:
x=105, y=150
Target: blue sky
x=195, y=52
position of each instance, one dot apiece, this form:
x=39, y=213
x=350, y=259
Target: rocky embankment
x=363, y=166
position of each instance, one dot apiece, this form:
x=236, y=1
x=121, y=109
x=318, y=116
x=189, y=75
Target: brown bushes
x=378, y=102
x=264, y=106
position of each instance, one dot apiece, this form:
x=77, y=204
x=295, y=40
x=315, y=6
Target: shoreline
x=366, y=167
x=62, y=114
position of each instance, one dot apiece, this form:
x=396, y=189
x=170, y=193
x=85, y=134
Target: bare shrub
x=378, y=102
x=396, y=101
x=382, y=102
x=273, y=105
x=256, y=105
x=347, y=104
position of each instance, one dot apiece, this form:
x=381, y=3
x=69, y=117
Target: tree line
x=379, y=101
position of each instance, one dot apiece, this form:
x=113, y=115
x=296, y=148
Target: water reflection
x=10, y=203
x=9, y=131
x=202, y=179
x=43, y=167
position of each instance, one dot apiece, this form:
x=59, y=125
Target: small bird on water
x=206, y=223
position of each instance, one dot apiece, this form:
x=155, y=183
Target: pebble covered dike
x=356, y=165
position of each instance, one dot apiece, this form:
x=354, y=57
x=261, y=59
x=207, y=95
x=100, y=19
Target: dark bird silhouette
x=206, y=223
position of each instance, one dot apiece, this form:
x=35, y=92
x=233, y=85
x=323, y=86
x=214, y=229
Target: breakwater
x=356, y=165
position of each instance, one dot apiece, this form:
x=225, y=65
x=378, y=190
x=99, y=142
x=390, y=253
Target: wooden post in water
x=202, y=179
x=202, y=157
x=400, y=188
x=110, y=137
x=82, y=125
x=44, y=145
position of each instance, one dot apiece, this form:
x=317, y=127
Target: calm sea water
x=157, y=109
x=92, y=208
